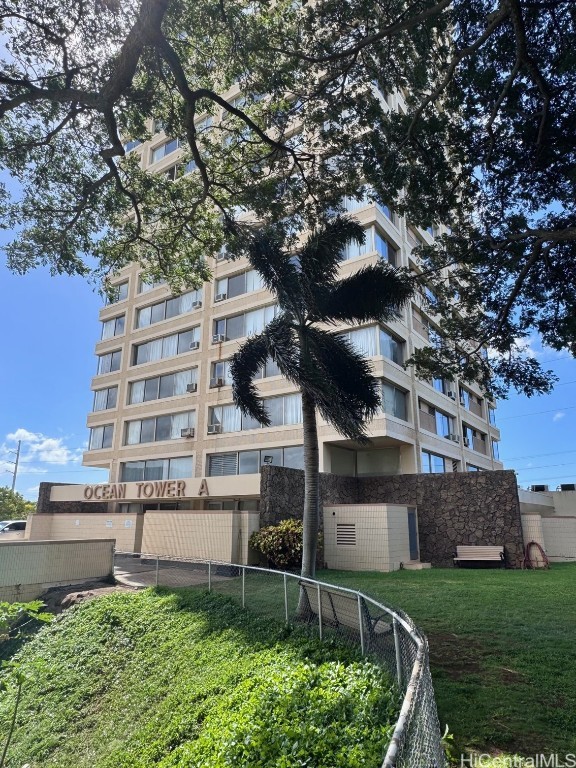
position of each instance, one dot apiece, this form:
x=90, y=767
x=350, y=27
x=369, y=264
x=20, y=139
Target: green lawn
x=503, y=650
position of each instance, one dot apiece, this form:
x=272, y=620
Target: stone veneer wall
x=53, y=507
x=453, y=508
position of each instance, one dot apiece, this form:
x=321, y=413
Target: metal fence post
x=286, y=597
x=319, y=610
x=243, y=587
x=209, y=575
x=361, y=623
x=398, y=656
x=157, y=569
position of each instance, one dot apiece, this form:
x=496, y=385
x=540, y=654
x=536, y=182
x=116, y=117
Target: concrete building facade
x=163, y=406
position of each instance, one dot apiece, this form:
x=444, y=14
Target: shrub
x=281, y=544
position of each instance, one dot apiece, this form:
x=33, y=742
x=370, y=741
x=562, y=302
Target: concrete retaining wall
x=28, y=568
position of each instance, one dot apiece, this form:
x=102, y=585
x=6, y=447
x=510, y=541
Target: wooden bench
x=343, y=609
x=481, y=554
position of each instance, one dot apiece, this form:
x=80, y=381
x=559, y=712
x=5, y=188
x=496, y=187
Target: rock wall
x=453, y=508
x=52, y=507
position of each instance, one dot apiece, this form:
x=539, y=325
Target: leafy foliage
x=456, y=112
x=281, y=544
x=149, y=679
x=13, y=506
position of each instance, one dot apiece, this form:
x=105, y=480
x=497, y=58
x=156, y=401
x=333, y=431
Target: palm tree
x=333, y=378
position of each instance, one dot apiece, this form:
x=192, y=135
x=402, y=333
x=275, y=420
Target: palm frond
x=376, y=292
x=341, y=382
x=244, y=365
x=321, y=255
x=276, y=267
x=276, y=342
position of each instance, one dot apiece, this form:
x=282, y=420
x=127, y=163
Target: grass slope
x=174, y=679
x=503, y=650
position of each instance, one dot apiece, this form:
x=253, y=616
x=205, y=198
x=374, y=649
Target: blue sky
x=49, y=329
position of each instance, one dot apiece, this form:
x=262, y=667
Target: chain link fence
x=385, y=635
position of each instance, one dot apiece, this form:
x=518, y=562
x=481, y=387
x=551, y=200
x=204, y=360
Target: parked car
x=12, y=529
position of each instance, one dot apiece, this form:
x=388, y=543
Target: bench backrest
x=337, y=607
x=467, y=550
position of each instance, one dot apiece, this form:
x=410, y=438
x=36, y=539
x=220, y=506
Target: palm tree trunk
x=311, y=487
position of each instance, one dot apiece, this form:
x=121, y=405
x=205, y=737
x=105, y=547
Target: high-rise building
x=163, y=405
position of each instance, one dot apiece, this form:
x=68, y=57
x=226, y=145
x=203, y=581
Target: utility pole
x=15, y=472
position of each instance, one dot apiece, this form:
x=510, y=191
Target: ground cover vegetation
x=188, y=679
x=483, y=141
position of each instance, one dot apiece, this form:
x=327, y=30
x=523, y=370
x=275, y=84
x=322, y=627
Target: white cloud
x=558, y=415
x=39, y=448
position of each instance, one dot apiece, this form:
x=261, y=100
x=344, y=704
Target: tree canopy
x=13, y=506
x=456, y=112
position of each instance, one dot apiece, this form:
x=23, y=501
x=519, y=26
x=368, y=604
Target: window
x=495, y=449
x=156, y=469
x=391, y=347
x=474, y=439
x=435, y=421
x=394, y=401
x=101, y=437
x=164, y=149
x=249, y=462
x=118, y=292
x=171, y=307
x=158, y=428
x=104, y=399
x=220, y=371
x=113, y=327
x=246, y=324
x=110, y=362
x=144, y=286
x=445, y=386
x=165, y=346
x=492, y=415
x=373, y=340
x=473, y=468
x=245, y=282
x=433, y=463
x=283, y=411
x=421, y=324
x=471, y=402
x=374, y=241
x=159, y=387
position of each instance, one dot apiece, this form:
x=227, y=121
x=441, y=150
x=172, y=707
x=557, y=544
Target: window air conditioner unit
x=568, y=486
x=539, y=488
x=214, y=429
x=451, y=394
x=196, y=304
x=220, y=297
x=190, y=388
x=188, y=432
x=466, y=442
x=218, y=337
x=454, y=438
x=217, y=382
x=194, y=345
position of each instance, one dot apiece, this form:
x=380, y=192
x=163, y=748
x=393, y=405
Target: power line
x=545, y=466
x=537, y=455
x=537, y=413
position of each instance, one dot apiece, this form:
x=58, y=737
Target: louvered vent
x=346, y=534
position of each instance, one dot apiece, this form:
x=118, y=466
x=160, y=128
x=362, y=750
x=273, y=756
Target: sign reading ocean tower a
x=157, y=489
